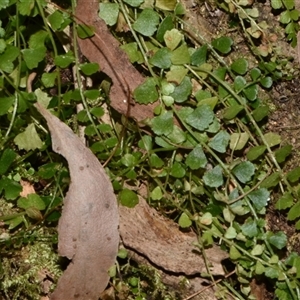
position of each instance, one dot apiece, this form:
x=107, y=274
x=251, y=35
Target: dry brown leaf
x=27, y=188
x=104, y=49
x=143, y=230
x=88, y=228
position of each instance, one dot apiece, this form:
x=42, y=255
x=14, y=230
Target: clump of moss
x=22, y=275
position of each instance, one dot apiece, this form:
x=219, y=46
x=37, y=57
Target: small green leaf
x=48, y=79
x=89, y=68
x=128, y=160
x=230, y=233
x=173, y=38
x=222, y=44
x=14, y=222
x=184, y=221
x=271, y=181
x=84, y=31
x=146, y=92
x=167, y=88
x=83, y=116
x=294, y=212
x=251, y=92
x=11, y=188
x=282, y=153
x=177, y=136
x=179, y=9
x=295, y=14
x=162, y=59
x=255, y=152
x=163, y=124
x=37, y=40
x=98, y=112
x=266, y=82
x=260, y=112
x=278, y=239
x=238, y=140
x=244, y=171
x=29, y=139
x=168, y=100
x=260, y=198
x=240, y=66
x=92, y=94
x=294, y=175
x=146, y=142
x=48, y=171
x=133, y=52
x=239, y=83
x=33, y=57
x=181, y=55
x=220, y=141
x=5, y=103
x=146, y=22
x=2, y=45
x=276, y=4
x=128, y=198
x=109, y=13
x=214, y=177
x=182, y=91
x=206, y=219
x=234, y=253
x=297, y=227
x=164, y=26
x=56, y=20
x=199, y=57
x=250, y=228
x=122, y=253
x=168, y=5
x=177, y=170
x=285, y=201
x=259, y=268
x=156, y=193
x=32, y=200
x=232, y=111
x=285, y=17
x=26, y=7
x=7, y=158
x=64, y=60
x=211, y=102
x=104, y=128
x=257, y=250
x=4, y=4
x=201, y=117
x=90, y=130
x=196, y=158
x=155, y=161
x=255, y=73
x=272, y=139
x=204, y=69
x=176, y=74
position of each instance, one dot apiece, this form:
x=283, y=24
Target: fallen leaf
x=159, y=239
x=104, y=49
x=27, y=188
x=88, y=228
x=28, y=139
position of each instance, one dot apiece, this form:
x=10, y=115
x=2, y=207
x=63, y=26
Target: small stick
x=208, y=287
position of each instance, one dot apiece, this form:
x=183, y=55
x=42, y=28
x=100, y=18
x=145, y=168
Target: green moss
x=22, y=274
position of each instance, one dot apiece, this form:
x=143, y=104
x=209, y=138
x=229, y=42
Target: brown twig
x=210, y=286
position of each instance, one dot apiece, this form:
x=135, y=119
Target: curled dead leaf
x=159, y=239
x=88, y=228
x=104, y=49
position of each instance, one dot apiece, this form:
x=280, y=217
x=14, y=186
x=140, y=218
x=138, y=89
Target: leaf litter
x=88, y=228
